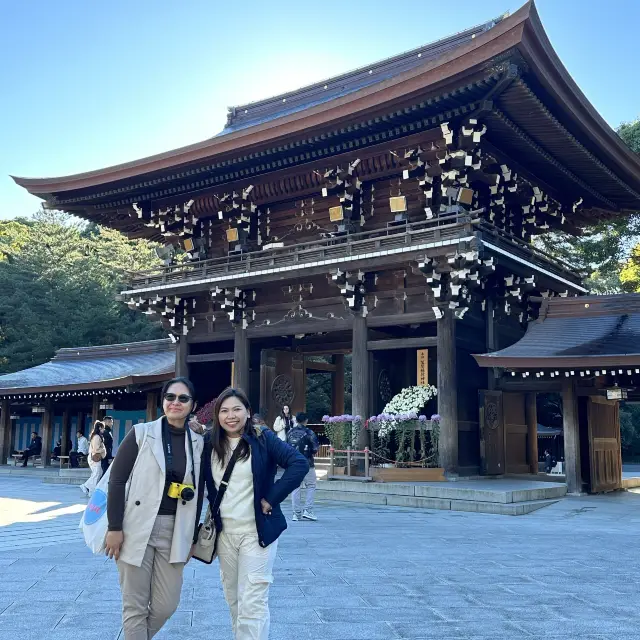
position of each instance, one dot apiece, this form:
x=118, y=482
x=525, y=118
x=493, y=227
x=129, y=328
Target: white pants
x=309, y=482
x=246, y=569
x=96, y=473
x=151, y=592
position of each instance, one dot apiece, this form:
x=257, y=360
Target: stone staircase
x=500, y=496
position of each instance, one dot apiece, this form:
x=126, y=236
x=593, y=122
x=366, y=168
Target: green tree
x=608, y=252
x=59, y=278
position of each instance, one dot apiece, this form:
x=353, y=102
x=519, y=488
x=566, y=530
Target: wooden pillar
x=490, y=342
x=66, y=428
x=80, y=422
x=46, y=432
x=5, y=431
x=182, y=352
x=337, y=387
x=152, y=406
x=532, y=432
x=360, y=374
x=571, y=429
x=241, y=359
x=447, y=392
x=95, y=410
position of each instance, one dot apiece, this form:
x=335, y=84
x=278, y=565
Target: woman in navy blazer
x=250, y=519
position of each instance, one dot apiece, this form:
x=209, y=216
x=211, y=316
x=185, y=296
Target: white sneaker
x=296, y=517
x=309, y=515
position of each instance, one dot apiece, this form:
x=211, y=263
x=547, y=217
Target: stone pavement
x=361, y=572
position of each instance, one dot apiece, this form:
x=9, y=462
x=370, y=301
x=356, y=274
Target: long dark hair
x=219, y=438
x=288, y=419
x=97, y=425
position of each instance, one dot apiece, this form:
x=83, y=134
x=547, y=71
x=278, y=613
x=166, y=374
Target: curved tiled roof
x=589, y=331
x=95, y=368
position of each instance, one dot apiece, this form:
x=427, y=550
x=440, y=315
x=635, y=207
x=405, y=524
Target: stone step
x=395, y=500
x=500, y=491
x=64, y=480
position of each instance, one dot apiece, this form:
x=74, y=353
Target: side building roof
x=576, y=333
x=95, y=368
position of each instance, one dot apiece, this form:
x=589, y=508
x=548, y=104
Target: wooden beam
x=360, y=368
x=241, y=359
x=447, y=393
x=182, y=356
x=310, y=365
x=46, y=432
x=210, y=357
x=95, y=410
x=571, y=428
x=532, y=432
x=66, y=432
x=152, y=406
x=5, y=431
x=402, y=343
x=337, y=386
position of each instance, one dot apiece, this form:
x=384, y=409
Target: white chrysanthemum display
x=409, y=401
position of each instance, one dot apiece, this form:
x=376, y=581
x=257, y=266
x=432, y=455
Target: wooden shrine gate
x=282, y=381
x=605, y=452
x=505, y=436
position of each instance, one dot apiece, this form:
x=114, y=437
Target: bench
x=17, y=457
x=65, y=460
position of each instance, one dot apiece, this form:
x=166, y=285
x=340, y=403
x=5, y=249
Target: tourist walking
x=34, y=448
x=250, y=519
x=305, y=441
x=108, y=442
x=97, y=452
x=283, y=423
x=153, y=528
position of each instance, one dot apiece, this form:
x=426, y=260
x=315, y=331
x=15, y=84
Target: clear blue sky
x=88, y=84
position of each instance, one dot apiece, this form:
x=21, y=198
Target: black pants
x=26, y=454
x=105, y=464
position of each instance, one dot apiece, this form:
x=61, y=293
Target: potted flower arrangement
x=413, y=436
x=342, y=432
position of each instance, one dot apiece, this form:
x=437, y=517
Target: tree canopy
x=59, y=278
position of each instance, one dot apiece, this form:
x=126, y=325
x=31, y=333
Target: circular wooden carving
x=282, y=390
x=384, y=386
x=491, y=415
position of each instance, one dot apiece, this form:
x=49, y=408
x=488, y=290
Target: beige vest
x=146, y=486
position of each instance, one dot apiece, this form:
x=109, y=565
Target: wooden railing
x=352, y=245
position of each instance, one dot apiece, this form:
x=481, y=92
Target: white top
x=236, y=508
x=83, y=446
x=279, y=427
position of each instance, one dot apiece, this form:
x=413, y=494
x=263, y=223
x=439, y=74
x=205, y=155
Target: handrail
x=349, y=451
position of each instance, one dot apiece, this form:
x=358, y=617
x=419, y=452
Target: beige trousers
x=246, y=569
x=151, y=592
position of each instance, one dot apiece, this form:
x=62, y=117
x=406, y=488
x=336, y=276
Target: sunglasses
x=183, y=398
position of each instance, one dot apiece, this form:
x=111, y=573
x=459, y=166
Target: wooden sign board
x=423, y=367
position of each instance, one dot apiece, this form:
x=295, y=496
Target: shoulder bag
x=207, y=543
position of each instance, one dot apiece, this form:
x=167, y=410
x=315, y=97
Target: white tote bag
x=94, y=523
x=94, y=519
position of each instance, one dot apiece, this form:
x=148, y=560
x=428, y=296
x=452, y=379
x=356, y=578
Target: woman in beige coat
x=99, y=451
x=153, y=528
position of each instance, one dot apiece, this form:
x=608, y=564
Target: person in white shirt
x=284, y=423
x=82, y=445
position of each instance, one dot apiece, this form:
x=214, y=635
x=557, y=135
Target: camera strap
x=168, y=448
x=224, y=482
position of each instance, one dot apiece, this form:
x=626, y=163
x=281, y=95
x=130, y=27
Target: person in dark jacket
x=108, y=443
x=34, y=449
x=250, y=520
x=306, y=442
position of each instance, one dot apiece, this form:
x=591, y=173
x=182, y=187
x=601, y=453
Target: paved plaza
x=568, y=571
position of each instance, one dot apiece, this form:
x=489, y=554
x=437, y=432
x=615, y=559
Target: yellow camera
x=179, y=491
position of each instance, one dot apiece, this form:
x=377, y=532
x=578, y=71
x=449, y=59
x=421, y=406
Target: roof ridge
x=125, y=348
x=482, y=27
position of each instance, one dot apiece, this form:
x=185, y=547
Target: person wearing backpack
x=301, y=438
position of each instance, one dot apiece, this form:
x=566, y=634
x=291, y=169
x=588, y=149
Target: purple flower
x=436, y=417
x=422, y=418
x=325, y=418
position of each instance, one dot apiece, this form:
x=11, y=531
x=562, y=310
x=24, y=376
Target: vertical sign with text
x=423, y=367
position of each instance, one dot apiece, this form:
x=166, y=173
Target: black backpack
x=299, y=439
